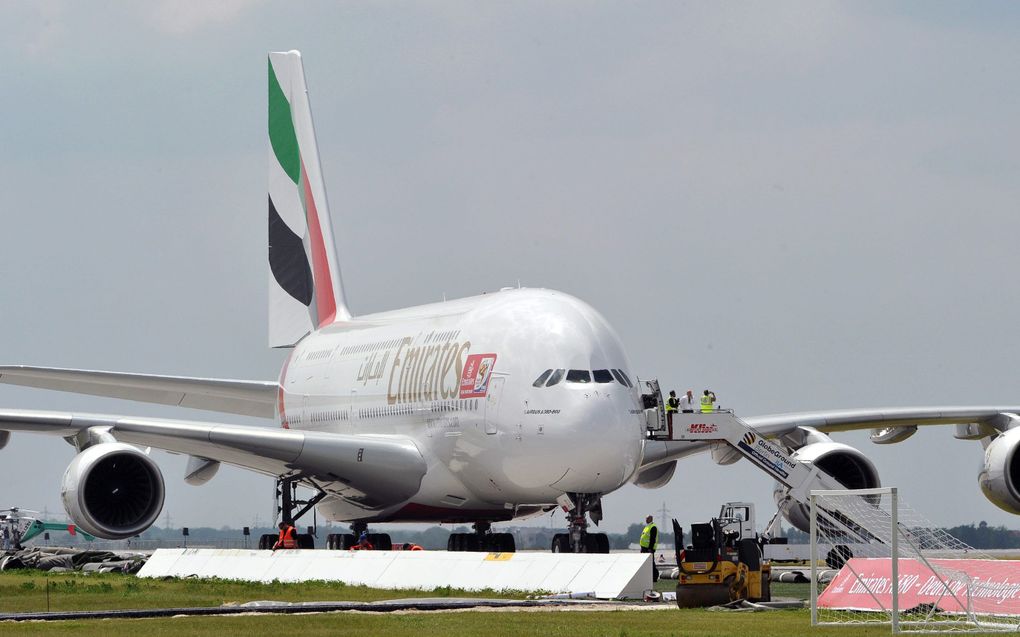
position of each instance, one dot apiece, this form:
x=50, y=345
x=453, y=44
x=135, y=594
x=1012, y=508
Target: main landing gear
x=577, y=539
x=482, y=540
x=286, y=502
x=344, y=541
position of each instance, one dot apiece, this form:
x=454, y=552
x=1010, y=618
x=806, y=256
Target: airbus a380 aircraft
x=477, y=410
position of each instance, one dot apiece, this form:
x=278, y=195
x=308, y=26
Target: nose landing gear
x=577, y=539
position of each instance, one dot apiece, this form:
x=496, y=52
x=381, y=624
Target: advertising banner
x=474, y=381
x=866, y=584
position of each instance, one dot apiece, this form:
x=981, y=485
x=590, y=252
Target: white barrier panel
x=606, y=576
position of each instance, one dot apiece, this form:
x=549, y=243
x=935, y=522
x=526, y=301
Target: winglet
x=305, y=290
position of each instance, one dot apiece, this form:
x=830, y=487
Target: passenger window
x=602, y=376
x=579, y=376
x=556, y=377
x=541, y=379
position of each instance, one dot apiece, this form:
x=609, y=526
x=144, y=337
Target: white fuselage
x=458, y=379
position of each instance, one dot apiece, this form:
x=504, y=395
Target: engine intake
x=844, y=463
x=1000, y=474
x=113, y=491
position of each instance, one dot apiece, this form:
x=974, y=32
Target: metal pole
x=814, y=559
x=894, y=503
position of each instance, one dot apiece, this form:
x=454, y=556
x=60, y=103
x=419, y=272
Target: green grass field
x=23, y=591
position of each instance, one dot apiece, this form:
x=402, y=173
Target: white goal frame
x=894, y=499
x=885, y=528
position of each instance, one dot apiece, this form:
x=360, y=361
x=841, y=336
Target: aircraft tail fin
x=305, y=290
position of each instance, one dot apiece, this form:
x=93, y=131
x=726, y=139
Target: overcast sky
x=801, y=205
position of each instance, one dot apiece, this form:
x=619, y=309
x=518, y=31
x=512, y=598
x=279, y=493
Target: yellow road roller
x=719, y=567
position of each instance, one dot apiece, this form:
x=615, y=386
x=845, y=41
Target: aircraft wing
x=245, y=397
x=983, y=421
x=372, y=470
x=854, y=419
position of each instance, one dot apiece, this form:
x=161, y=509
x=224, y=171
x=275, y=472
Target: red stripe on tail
x=325, y=304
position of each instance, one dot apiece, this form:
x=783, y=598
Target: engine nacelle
x=656, y=476
x=844, y=463
x=1000, y=474
x=113, y=491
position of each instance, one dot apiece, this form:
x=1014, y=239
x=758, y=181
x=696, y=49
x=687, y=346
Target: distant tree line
x=431, y=538
x=984, y=536
x=980, y=536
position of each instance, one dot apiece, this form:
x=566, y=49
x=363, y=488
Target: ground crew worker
x=672, y=405
x=363, y=543
x=288, y=539
x=687, y=402
x=707, y=401
x=649, y=540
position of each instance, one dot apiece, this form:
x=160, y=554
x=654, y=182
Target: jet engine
x=655, y=477
x=1000, y=473
x=112, y=490
x=844, y=463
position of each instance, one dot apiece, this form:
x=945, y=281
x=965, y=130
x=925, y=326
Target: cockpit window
x=556, y=377
x=602, y=376
x=579, y=376
x=541, y=379
x=618, y=377
x=626, y=378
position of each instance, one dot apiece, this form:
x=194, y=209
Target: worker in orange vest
x=363, y=543
x=287, y=537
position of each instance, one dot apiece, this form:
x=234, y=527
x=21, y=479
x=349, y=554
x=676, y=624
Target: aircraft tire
x=381, y=541
x=266, y=541
x=506, y=543
x=459, y=542
x=305, y=541
x=561, y=543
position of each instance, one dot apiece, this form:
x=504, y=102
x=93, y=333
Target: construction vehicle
x=721, y=564
x=719, y=567
x=740, y=517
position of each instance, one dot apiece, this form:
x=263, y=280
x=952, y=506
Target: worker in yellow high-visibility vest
x=649, y=540
x=707, y=401
x=672, y=406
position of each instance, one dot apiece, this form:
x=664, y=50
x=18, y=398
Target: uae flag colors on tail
x=305, y=290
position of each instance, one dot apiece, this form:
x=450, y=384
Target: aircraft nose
x=605, y=439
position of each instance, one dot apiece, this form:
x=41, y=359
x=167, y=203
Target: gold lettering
x=442, y=369
x=429, y=372
x=390, y=397
x=419, y=372
x=460, y=364
x=407, y=376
